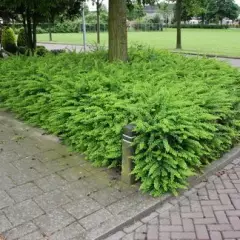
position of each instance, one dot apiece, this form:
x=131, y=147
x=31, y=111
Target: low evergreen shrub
x=9, y=40
x=186, y=110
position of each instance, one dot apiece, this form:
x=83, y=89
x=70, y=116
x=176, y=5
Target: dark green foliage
x=186, y=110
x=41, y=51
x=8, y=40
x=22, y=39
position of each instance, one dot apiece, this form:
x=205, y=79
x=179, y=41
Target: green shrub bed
x=186, y=110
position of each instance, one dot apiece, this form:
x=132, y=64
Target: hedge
x=8, y=40
x=186, y=110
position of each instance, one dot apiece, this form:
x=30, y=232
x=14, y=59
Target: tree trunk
x=98, y=21
x=50, y=30
x=34, y=33
x=117, y=30
x=29, y=30
x=178, y=18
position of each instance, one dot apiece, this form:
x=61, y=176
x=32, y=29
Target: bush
x=22, y=38
x=186, y=110
x=9, y=40
x=41, y=51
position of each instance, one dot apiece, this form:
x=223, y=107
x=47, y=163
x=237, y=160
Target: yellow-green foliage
x=22, y=39
x=186, y=110
x=8, y=40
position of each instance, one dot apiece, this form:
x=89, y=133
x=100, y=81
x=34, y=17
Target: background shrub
x=186, y=110
x=22, y=38
x=9, y=40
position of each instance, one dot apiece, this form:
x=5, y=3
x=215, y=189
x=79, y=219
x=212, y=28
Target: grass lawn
x=221, y=42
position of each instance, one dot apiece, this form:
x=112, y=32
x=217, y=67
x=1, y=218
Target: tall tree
x=178, y=19
x=118, y=43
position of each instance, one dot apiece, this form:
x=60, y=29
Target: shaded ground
x=48, y=193
x=211, y=210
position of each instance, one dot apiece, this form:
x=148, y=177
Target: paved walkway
x=211, y=210
x=48, y=193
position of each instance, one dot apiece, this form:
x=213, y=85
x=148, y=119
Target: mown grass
x=207, y=41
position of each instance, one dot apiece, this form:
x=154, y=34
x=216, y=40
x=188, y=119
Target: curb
x=207, y=55
x=193, y=181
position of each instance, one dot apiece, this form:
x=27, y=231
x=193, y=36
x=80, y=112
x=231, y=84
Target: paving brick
x=23, y=212
x=165, y=221
x=4, y=224
x=235, y=222
x=170, y=228
x=201, y=232
x=50, y=182
x=24, y=192
x=5, y=200
x=152, y=232
x=192, y=215
x=221, y=217
x=219, y=227
x=35, y=235
x=204, y=220
x=53, y=221
x=208, y=211
x=140, y=236
x=233, y=213
x=215, y=236
x=183, y=235
x=231, y=234
x=223, y=207
x=176, y=218
x=236, y=203
x=21, y=231
x=210, y=203
x=68, y=232
x=95, y=219
x=51, y=200
x=188, y=225
x=82, y=207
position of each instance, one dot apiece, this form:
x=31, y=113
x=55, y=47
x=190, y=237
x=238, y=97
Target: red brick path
x=211, y=210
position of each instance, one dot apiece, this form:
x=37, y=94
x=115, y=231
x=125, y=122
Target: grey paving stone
x=95, y=219
x=82, y=207
x=20, y=231
x=23, y=192
x=5, y=200
x=116, y=236
x=24, y=176
x=69, y=232
x=4, y=224
x=23, y=212
x=6, y=156
x=33, y=236
x=106, y=196
x=50, y=182
x=6, y=183
x=74, y=173
x=50, y=200
x=54, y=221
x=47, y=156
x=78, y=189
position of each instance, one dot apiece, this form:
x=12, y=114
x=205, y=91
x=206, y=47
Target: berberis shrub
x=186, y=110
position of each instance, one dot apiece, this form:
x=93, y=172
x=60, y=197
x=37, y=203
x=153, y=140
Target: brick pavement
x=47, y=193
x=211, y=210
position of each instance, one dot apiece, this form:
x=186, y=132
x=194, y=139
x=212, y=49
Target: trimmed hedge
x=186, y=110
x=8, y=40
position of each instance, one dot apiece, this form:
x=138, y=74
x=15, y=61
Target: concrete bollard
x=127, y=154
